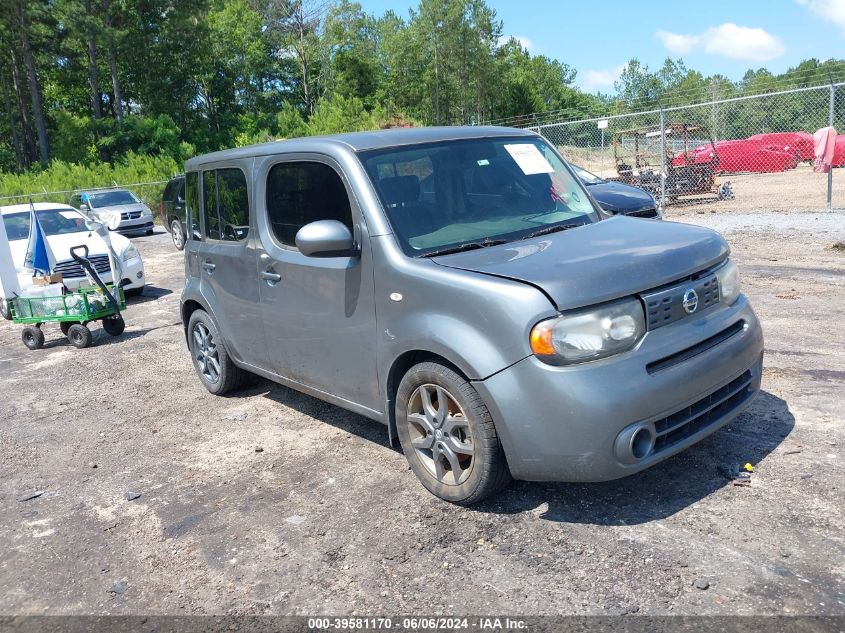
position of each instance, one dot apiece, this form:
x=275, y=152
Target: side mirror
x=84, y=208
x=325, y=238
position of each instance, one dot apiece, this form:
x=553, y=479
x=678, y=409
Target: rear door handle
x=209, y=267
x=270, y=276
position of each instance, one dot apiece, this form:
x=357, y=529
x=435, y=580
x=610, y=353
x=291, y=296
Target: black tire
x=177, y=234
x=65, y=326
x=32, y=337
x=5, y=313
x=114, y=325
x=79, y=335
x=150, y=232
x=487, y=467
x=214, y=367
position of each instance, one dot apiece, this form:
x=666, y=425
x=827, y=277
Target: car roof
x=361, y=141
x=39, y=206
x=103, y=190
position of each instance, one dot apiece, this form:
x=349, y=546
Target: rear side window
x=192, y=203
x=225, y=204
x=232, y=204
x=300, y=193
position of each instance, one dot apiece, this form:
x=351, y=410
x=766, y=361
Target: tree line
x=93, y=81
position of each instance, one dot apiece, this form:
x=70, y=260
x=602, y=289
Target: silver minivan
x=462, y=287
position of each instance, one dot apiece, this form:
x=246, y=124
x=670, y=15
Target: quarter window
x=209, y=205
x=192, y=203
x=300, y=193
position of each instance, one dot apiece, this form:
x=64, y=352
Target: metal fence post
x=830, y=169
x=663, y=167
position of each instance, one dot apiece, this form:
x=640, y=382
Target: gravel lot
x=327, y=518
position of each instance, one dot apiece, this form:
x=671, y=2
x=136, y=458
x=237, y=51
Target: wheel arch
x=398, y=368
x=188, y=308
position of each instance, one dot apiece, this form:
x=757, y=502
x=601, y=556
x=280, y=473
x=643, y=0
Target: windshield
x=587, y=177
x=53, y=222
x=110, y=199
x=475, y=192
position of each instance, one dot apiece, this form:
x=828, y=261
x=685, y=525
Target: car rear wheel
x=448, y=435
x=177, y=234
x=211, y=360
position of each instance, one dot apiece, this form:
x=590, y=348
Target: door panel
x=319, y=316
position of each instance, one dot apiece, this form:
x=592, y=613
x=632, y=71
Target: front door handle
x=270, y=276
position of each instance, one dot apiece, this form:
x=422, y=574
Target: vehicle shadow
x=666, y=488
x=653, y=494
x=151, y=293
x=330, y=414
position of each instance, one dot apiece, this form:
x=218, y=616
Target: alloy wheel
x=205, y=353
x=176, y=233
x=440, y=434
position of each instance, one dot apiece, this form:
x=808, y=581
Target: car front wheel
x=448, y=435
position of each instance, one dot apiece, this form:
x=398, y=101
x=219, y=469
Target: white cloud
x=832, y=10
x=599, y=79
x=525, y=42
x=727, y=40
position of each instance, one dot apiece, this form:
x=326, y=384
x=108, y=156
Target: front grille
x=130, y=215
x=70, y=269
x=667, y=306
x=698, y=416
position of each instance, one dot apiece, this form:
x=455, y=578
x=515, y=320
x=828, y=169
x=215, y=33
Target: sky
x=712, y=36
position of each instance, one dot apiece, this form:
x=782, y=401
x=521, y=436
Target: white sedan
x=63, y=228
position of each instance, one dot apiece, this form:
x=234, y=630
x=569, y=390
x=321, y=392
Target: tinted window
x=233, y=204
x=209, y=205
x=300, y=193
x=192, y=203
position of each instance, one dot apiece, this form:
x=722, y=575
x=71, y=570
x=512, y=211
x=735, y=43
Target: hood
x=598, y=262
x=60, y=246
x=617, y=197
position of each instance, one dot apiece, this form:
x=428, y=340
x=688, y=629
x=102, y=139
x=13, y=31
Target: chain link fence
x=753, y=152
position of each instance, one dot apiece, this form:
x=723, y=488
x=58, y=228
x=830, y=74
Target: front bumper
x=566, y=423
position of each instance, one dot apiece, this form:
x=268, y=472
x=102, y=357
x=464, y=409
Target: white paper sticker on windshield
x=529, y=159
x=69, y=215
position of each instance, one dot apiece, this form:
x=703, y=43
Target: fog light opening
x=642, y=441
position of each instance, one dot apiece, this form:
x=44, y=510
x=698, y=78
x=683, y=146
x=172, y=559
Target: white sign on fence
x=602, y=123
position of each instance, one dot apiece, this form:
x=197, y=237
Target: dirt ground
x=327, y=518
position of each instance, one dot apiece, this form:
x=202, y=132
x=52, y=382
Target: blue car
x=617, y=198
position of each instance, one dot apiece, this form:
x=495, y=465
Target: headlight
x=728, y=276
x=129, y=253
x=589, y=334
x=146, y=211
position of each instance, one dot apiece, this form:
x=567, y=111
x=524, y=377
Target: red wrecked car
x=740, y=156
x=839, y=152
x=798, y=143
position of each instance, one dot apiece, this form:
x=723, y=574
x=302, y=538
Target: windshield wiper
x=460, y=248
x=551, y=229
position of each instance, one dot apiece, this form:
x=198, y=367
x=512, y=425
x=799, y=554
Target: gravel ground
x=327, y=518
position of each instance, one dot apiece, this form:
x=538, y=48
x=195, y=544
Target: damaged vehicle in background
x=460, y=286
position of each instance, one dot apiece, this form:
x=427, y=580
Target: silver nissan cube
x=462, y=287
